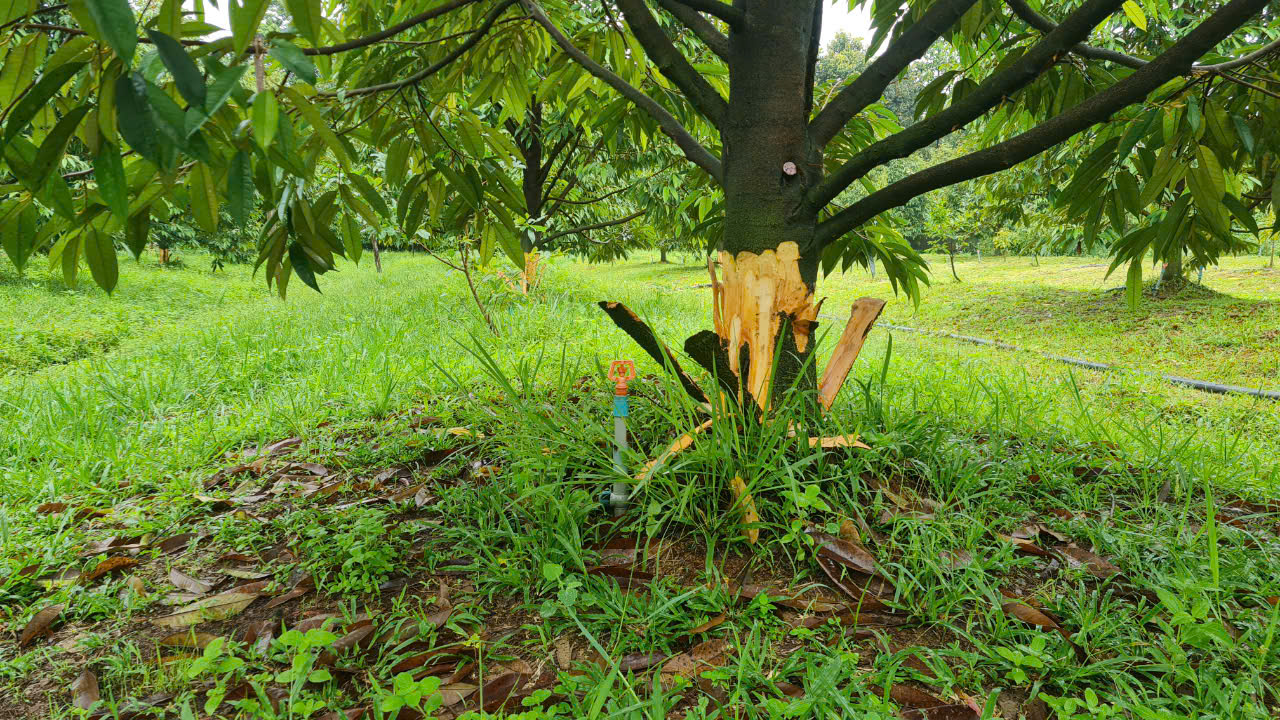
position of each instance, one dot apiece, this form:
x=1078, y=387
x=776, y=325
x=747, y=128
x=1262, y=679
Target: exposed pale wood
x=631, y=324
x=838, y=441
x=681, y=443
x=758, y=292
x=863, y=315
x=748, y=504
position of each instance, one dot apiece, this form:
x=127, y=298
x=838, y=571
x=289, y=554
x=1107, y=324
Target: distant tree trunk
x=951, y=253
x=164, y=256
x=1035, y=259
x=662, y=255
x=377, y=254
x=1172, y=270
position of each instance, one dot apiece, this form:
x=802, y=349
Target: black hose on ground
x=1201, y=385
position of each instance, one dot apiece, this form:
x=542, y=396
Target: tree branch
x=993, y=91
x=1045, y=25
x=476, y=35
x=697, y=154
x=588, y=228
x=728, y=13
x=1175, y=61
x=870, y=85
x=671, y=63
x=811, y=61
x=715, y=40
x=396, y=29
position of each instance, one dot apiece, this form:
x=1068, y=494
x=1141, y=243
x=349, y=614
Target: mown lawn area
x=219, y=504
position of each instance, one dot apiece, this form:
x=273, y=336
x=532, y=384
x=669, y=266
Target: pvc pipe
x=1202, y=385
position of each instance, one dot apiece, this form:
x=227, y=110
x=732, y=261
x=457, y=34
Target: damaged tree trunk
x=764, y=313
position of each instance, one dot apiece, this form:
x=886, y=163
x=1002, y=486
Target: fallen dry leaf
x=188, y=583
x=1094, y=564
x=626, y=577
x=212, y=609
x=173, y=543
x=1040, y=618
x=40, y=624
x=110, y=565
x=50, y=508
x=713, y=622
x=84, y=690
x=497, y=691
x=912, y=697
x=454, y=693
x=941, y=712
x=700, y=658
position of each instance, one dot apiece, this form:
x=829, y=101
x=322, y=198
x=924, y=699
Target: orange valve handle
x=620, y=371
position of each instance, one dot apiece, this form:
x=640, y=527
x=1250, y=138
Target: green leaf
x=353, y=201
x=321, y=127
x=108, y=170
x=133, y=116
x=18, y=231
x=1241, y=212
x=351, y=239
x=245, y=18
x=307, y=18
x=136, y=230
x=203, y=196
x=100, y=252
x=11, y=10
x=169, y=19
x=34, y=101
x=224, y=84
x=1275, y=195
x=266, y=118
x=1133, y=283
x=185, y=73
x=55, y=143
x=70, y=258
x=1244, y=133
x=1212, y=170
x=291, y=57
x=77, y=49
x=302, y=266
x=240, y=187
x=371, y=195
x=1193, y=114
x=1134, y=11
x=397, y=161
x=115, y=21
x=19, y=67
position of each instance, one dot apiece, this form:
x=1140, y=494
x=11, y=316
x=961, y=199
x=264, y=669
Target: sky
x=835, y=17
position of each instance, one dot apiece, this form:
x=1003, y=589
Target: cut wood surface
x=680, y=444
x=758, y=291
x=863, y=315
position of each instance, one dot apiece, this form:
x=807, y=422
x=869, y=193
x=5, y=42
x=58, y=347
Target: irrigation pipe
x=1202, y=385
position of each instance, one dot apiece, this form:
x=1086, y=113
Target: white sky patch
x=837, y=17
x=217, y=15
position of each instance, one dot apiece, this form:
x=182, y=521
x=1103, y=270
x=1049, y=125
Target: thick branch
x=697, y=154
x=811, y=62
x=1044, y=24
x=589, y=228
x=396, y=29
x=870, y=85
x=715, y=40
x=1175, y=61
x=989, y=94
x=476, y=36
x=728, y=13
x=671, y=63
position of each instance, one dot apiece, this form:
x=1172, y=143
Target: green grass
x=985, y=441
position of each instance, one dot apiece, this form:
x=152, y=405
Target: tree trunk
x=768, y=265
x=1172, y=270
x=662, y=255
x=377, y=254
x=951, y=254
